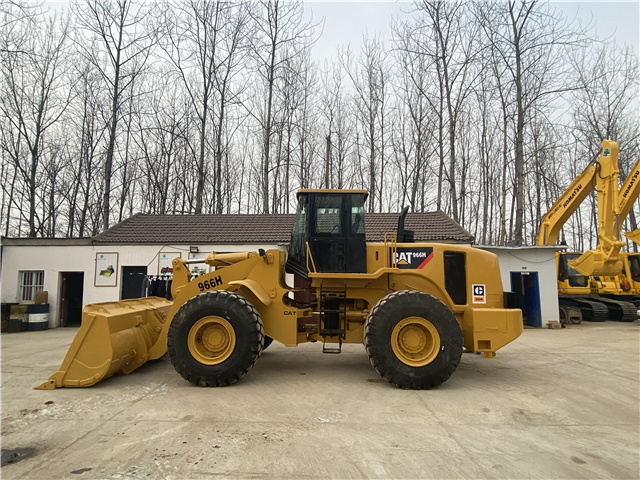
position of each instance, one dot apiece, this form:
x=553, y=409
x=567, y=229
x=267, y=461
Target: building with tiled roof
x=112, y=265
x=258, y=229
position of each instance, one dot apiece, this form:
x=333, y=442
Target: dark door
x=71, y=292
x=327, y=236
x=527, y=291
x=337, y=233
x=532, y=299
x=132, y=282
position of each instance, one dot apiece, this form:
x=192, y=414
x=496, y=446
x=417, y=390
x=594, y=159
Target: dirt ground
x=554, y=404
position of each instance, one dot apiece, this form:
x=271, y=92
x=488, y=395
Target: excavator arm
x=605, y=260
x=603, y=175
x=566, y=205
x=634, y=236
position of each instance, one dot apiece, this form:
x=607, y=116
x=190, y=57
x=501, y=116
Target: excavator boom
x=605, y=259
x=565, y=206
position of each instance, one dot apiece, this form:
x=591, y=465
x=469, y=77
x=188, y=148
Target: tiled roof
x=427, y=227
x=256, y=229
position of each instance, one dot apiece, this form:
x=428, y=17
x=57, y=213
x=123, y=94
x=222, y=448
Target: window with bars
x=30, y=283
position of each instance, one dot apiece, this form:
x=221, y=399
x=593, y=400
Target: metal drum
x=38, y=317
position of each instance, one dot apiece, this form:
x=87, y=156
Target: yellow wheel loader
x=414, y=306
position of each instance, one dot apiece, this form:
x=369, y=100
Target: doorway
x=527, y=290
x=71, y=293
x=132, y=282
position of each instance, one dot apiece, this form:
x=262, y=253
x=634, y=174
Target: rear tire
x=215, y=338
x=413, y=340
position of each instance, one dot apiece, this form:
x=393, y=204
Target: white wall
x=532, y=259
x=54, y=259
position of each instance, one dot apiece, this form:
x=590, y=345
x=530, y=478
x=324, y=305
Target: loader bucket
x=114, y=337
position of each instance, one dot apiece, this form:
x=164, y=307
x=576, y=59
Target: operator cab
x=331, y=222
x=567, y=272
x=634, y=266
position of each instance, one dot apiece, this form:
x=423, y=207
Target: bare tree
x=282, y=33
x=338, y=125
x=415, y=135
x=122, y=32
x=34, y=98
x=606, y=104
x=86, y=138
x=532, y=42
x=447, y=35
x=369, y=76
x=17, y=21
x=206, y=43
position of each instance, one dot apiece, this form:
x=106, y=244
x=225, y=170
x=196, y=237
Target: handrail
x=390, y=242
x=310, y=257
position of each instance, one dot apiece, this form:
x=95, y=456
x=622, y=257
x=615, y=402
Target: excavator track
x=592, y=311
x=619, y=310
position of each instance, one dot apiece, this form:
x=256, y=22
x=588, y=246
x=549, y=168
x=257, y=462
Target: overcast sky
x=346, y=22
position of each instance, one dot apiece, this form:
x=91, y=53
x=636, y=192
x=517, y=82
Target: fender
x=256, y=289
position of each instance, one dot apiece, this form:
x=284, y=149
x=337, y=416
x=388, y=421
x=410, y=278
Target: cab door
x=337, y=233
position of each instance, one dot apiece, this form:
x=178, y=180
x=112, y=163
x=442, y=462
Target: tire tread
x=380, y=321
x=204, y=376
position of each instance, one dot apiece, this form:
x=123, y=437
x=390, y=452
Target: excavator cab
x=634, y=266
x=567, y=275
x=328, y=233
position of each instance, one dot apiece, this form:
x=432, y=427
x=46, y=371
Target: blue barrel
x=38, y=317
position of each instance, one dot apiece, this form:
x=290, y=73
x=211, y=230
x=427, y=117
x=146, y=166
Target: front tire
x=413, y=340
x=215, y=338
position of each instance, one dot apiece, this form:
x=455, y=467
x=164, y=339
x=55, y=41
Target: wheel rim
x=415, y=341
x=211, y=340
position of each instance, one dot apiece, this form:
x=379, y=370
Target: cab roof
x=305, y=191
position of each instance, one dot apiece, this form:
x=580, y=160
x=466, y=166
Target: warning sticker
x=479, y=293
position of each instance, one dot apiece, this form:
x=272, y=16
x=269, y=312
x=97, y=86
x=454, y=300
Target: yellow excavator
x=414, y=306
x=594, y=282
x=626, y=285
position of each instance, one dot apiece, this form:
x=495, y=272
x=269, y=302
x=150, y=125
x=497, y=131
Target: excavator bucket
x=597, y=263
x=114, y=337
x=634, y=236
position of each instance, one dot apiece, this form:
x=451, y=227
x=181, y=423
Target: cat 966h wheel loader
x=413, y=305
